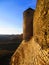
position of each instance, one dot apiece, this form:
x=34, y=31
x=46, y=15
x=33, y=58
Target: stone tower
x=28, y=24
x=41, y=23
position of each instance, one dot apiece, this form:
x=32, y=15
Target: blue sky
x=11, y=15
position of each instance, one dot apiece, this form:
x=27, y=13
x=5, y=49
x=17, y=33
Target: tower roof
x=29, y=9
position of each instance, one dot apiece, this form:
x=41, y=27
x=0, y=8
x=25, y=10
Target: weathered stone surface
x=30, y=53
x=28, y=24
x=41, y=23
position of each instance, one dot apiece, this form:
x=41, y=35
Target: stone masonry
x=41, y=23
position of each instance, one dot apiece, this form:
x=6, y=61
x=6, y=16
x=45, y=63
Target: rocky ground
x=30, y=53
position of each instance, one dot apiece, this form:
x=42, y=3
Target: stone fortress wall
x=41, y=23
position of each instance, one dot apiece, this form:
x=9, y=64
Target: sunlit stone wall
x=41, y=23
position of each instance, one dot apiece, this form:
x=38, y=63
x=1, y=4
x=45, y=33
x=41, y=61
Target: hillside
x=8, y=44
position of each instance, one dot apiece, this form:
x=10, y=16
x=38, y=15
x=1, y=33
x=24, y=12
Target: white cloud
x=10, y=31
